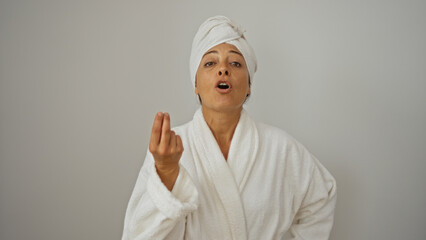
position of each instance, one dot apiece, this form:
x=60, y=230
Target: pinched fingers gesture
x=165, y=145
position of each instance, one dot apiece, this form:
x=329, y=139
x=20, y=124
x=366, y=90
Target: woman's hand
x=167, y=148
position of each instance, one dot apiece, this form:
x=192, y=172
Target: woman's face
x=222, y=78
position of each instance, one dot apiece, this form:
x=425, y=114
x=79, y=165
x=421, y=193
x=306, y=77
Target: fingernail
x=166, y=114
x=159, y=114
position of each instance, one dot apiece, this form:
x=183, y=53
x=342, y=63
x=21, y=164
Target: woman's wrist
x=168, y=174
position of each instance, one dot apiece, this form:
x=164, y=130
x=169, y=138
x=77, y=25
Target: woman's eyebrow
x=231, y=51
x=213, y=51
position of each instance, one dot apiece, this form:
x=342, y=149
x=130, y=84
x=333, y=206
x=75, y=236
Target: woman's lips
x=223, y=90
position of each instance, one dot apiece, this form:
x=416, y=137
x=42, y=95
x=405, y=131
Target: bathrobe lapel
x=229, y=177
x=243, y=151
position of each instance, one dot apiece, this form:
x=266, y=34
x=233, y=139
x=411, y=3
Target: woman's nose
x=223, y=71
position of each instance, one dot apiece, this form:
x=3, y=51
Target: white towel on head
x=217, y=30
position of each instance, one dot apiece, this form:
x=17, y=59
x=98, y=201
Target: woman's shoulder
x=275, y=134
x=296, y=155
x=276, y=138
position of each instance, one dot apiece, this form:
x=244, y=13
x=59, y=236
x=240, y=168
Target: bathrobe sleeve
x=154, y=212
x=314, y=219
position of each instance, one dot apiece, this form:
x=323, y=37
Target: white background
x=82, y=80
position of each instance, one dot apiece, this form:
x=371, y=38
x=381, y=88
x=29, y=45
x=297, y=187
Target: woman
x=222, y=175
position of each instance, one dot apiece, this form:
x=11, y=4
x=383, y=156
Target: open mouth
x=223, y=85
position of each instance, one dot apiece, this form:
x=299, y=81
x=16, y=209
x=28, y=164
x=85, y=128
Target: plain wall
x=80, y=82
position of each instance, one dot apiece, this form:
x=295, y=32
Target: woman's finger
x=165, y=132
x=172, y=141
x=156, y=129
x=179, y=145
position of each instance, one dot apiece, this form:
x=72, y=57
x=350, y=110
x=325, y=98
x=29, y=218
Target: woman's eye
x=208, y=64
x=236, y=64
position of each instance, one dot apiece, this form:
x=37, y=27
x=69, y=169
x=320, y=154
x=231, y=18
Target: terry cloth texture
x=217, y=30
x=270, y=186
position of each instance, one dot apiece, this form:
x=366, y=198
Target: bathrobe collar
x=229, y=177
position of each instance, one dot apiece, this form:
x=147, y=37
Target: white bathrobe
x=270, y=185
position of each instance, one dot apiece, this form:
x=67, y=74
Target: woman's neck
x=222, y=125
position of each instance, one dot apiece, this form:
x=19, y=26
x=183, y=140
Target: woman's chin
x=223, y=107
